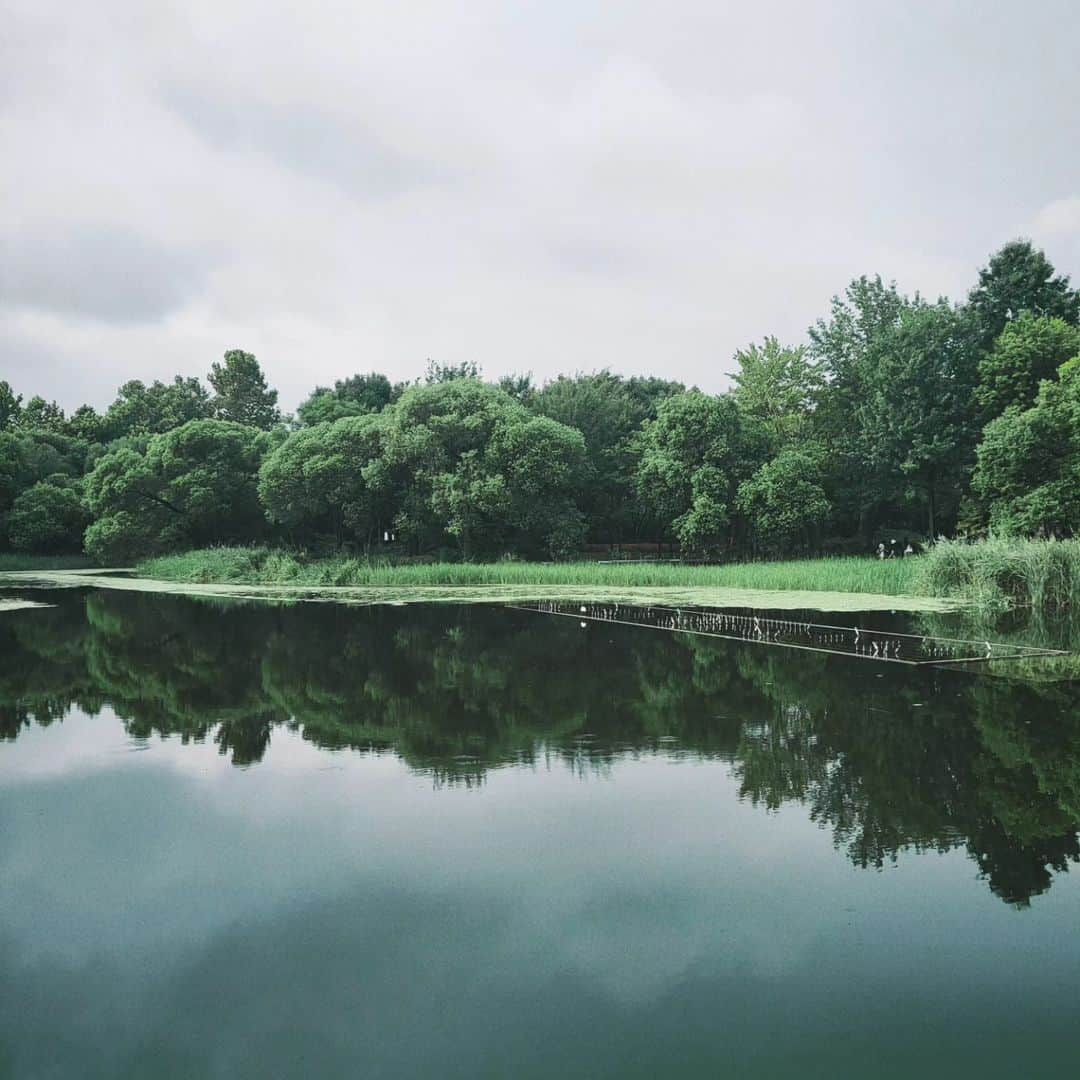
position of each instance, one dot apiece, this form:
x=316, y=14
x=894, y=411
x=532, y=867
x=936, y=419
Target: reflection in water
x=886, y=759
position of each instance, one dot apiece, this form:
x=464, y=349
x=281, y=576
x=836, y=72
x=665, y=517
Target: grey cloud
x=99, y=272
x=306, y=138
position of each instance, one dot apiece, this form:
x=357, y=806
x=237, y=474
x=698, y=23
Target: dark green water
x=317, y=841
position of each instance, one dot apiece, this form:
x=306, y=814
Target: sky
x=536, y=187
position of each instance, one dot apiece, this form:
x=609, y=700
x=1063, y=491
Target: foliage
x=1018, y=279
x=1029, y=350
x=878, y=427
x=608, y=410
x=917, y=423
x=330, y=480
x=10, y=407
x=780, y=386
x=48, y=517
x=354, y=396
x=1027, y=476
x=151, y=410
x=240, y=391
x=194, y=485
x=784, y=503
x=694, y=456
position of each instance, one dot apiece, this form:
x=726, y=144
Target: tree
x=240, y=391
x=784, y=504
x=779, y=385
x=694, y=456
x=843, y=347
x=1027, y=473
x=152, y=410
x=609, y=411
x=439, y=373
x=1030, y=348
x=1018, y=278
x=330, y=480
x=918, y=421
x=193, y=486
x=29, y=456
x=10, y=407
x=48, y=517
x=355, y=396
x=480, y=470
x=41, y=415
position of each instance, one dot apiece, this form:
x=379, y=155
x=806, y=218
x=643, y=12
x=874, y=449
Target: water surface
x=318, y=840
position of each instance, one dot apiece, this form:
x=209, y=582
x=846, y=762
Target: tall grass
x=1001, y=573
x=259, y=565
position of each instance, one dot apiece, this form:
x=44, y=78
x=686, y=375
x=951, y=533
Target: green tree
x=694, y=456
x=1030, y=348
x=193, y=486
x=159, y=407
x=452, y=439
x=843, y=347
x=1027, y=474
x=784, y=503
x=41, y=415
x=10, y=407
x=780, y=385
x=608, y=410
x=331, y=480
x=240, y=391
x=1018, y=278
x=354, y=396
x=439, y=373
x=48, y=517
x=918, y=422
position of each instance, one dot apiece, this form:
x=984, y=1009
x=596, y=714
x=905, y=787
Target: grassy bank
x=43, y=562
x=271, y=567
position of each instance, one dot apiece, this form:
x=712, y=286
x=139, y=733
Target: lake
x=312, y=840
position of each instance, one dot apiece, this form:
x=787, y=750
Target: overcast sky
x=545, y=187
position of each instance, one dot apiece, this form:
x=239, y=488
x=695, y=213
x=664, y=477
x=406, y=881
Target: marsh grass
x=1000, y=573
x=268, y=566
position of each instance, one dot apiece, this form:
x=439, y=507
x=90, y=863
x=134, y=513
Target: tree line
x=897, y=416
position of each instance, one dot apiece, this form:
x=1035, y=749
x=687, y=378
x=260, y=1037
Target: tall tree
x=354, y=396
x=193, y=486
x=780, y=385
x=330, y=481
x=694, y=456
x=1018, y=278
x=918, y=420
x=241, y=393
x=1027, y=477
x=41, y=415
x=843, y=347
x=150, y=410
x=1028, y=350
x=10, y=406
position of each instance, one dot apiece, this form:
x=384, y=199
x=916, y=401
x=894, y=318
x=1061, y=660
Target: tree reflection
x=887, y=759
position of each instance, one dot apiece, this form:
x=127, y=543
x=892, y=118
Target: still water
x=320, y=841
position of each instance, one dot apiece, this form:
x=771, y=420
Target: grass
x=267, y=566
x=43, y=562
x=1001, y=573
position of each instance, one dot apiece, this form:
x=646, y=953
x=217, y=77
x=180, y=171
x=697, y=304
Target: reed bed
x=269, y=566
x=1001, y=573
